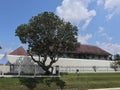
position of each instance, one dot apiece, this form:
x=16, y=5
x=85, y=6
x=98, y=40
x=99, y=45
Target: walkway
x=106, y=89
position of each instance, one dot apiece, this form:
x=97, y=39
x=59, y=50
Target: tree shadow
x=60, y=83
x=31, y=83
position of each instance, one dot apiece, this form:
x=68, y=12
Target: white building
x=66, y=65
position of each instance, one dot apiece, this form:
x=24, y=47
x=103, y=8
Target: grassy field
x=81, y=81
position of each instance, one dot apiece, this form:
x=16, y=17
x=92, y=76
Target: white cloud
x=11, y=48
x=108, y=38
x=84, y=39
x=112, y=48
x=86, y=23
x=5, y=50
x=100, y=29
x=86, y=2
x=109, y=16
x=103, y=34
x=76, y=11
x=113, y=6
x=100, y=2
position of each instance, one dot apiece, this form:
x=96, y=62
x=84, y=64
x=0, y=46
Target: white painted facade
x=70, y=65
x=82, y=62
x=84, y=65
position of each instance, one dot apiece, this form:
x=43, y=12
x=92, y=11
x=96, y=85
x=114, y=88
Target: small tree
x=24, y=65
x=115, y=65
x=94, y=68
x=47, y=36
x=117, y=57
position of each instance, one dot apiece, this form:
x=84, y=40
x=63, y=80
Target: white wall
x=82, y=62
x=68, y=61
x=84, y=65
x=71, y=65
x=4, y=69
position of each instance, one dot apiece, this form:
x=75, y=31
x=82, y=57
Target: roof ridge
x=19, y=51
x=86, y=48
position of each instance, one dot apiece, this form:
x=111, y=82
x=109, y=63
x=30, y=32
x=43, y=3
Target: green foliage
x=79, y=81
x=117, y=57
x=47, y=35
x=114, y=65
x=30, y=83
x=85, y=81
x=116, y=62
x=47, y=30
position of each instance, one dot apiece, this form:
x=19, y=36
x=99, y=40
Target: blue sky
x=97, y=20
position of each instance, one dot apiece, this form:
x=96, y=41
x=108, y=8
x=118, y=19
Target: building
x=17, y=54
x=88, y=52
x=19, y=51
x=84, y=51
x=83, y=59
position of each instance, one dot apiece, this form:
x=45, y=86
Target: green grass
x=92, y=80
x=81, y=81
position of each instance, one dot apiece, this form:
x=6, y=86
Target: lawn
x=82, y=81
x=92, y=80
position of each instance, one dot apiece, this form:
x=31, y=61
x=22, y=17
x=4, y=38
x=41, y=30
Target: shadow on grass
x=31, y=83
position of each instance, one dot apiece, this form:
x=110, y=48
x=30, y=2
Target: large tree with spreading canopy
x=47, y=35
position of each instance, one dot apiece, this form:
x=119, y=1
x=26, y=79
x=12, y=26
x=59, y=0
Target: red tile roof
x=83, y=49
x=19, y=51
x=90, y=49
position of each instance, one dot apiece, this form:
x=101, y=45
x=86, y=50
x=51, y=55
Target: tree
x=47, y=36
x=117, y=59
x=24, y=65
x=116, y=62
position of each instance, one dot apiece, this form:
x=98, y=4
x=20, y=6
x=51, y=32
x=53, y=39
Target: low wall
x=74, y=65
x=84, y=65
x=82, y=62
x=4, y=69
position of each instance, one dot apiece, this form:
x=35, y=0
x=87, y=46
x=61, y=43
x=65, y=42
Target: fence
x=87, y=69
x=35, y=70
x=24, y=71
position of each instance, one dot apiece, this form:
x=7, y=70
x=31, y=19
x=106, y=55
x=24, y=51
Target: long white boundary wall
x=84, y=65
x=82, y=62
x=75, y=65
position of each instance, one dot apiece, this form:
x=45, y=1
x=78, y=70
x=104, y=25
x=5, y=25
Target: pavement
x=106, y=89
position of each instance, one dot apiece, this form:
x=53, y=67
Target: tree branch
x=53, y=60
x=45, y=59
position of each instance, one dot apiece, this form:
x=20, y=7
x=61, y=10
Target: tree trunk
x=48, y=72
x=46, y=69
